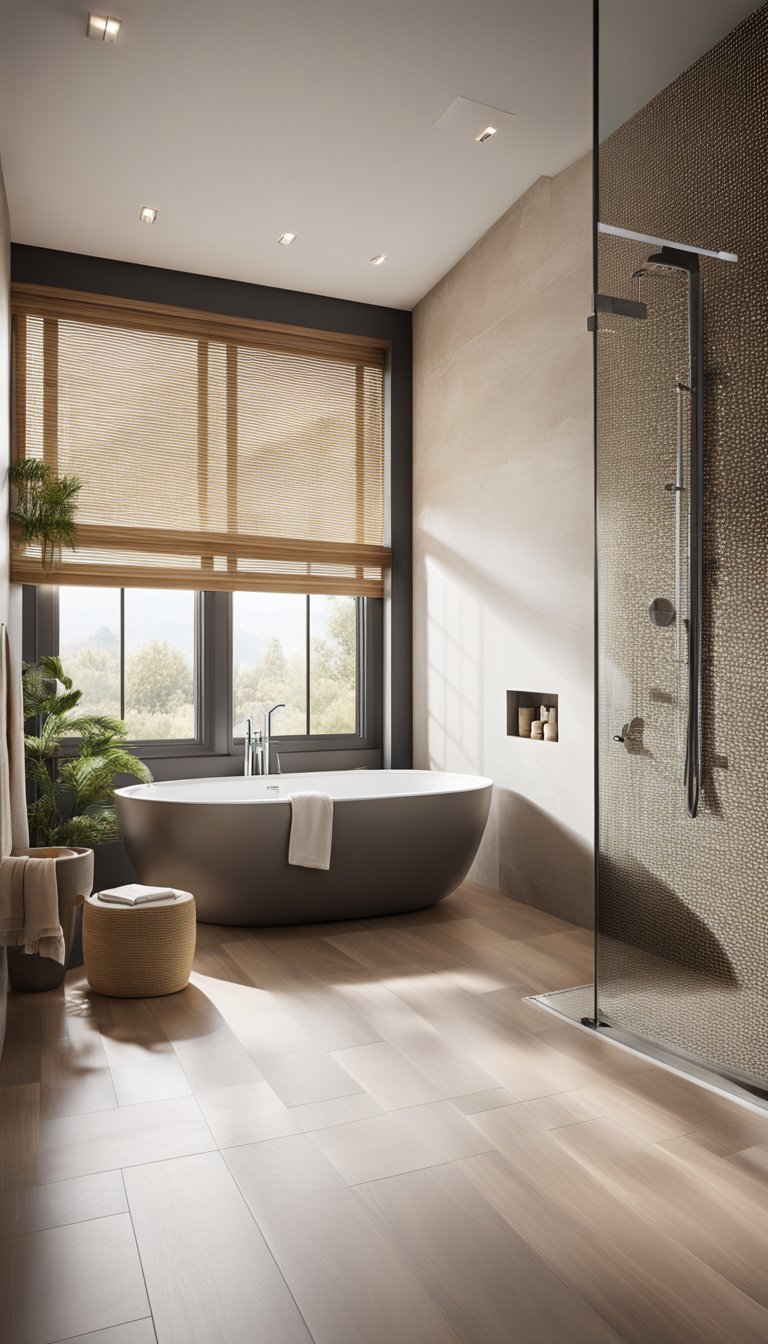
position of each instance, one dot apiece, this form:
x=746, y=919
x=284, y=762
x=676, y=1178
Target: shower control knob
x=617, y=737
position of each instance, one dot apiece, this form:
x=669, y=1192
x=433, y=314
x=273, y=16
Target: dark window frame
x=214, y=679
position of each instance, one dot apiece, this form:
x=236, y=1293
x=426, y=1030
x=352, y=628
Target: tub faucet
x=253, y=760
x=268, y=738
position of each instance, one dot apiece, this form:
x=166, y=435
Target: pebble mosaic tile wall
x=691, y=166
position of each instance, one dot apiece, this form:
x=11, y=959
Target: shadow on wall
x=461, y=604
x=646, y=913
x=470, y=622
x=542, y=862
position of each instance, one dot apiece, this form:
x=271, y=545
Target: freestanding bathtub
x=402, y=840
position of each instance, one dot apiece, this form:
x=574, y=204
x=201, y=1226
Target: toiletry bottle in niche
x=525, y=717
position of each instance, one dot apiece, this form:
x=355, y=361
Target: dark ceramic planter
x=74, y=881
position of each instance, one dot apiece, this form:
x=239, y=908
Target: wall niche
x=531, y=700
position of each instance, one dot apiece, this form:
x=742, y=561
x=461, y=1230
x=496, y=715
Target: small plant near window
x=45, y=508
x=75, y=780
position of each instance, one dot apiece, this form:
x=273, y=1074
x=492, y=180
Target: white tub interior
x=340, y=784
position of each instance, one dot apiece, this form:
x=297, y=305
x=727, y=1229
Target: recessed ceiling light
x=379, y=259
x=286, y=239
x=475, y=122
x=147, y=215
x=103, y=28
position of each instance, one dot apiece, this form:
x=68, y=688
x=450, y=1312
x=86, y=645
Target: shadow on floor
x=638, y=908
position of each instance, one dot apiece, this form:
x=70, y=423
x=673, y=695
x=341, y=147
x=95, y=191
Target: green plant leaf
x=75, y=783
x=51, y=666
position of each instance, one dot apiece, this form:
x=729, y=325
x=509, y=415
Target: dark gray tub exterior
x=402, y=840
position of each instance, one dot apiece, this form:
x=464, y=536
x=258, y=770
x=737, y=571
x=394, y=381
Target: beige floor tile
x=19, y=1063
x=217, y=1059
x=149, y=1080
x=350, y=1282
x=210, y=1276
x=245, y=1114
x=61, y=1202
x=55, y=1284
x=19, y=1130
x=304, y=1076
x=271, y=1034
x=75, y=1077
x=387, y=1075
x=137, y=1332
x=447, y=1133
x=338, y=1111
x=486, y=1279
x=483, y=1101
x=646, y=1285
x=124, y=1137
x=367, y=1150
x=235, y=999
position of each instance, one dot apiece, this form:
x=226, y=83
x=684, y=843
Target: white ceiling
x=239, y=119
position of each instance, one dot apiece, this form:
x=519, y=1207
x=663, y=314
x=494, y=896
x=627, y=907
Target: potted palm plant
x=44, y=515
x=72, y=760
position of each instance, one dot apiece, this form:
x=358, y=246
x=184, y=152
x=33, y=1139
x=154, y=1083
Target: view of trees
x=278, y=676
x=159, y=691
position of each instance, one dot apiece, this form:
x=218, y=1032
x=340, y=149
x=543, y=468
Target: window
x=133, y=654
x=302, y=651
x=159, y=660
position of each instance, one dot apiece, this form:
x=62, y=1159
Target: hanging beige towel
x=311, y=830
x=29, y=907
x=14, y=831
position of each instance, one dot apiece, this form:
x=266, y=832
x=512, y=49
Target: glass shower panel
x=682, y=922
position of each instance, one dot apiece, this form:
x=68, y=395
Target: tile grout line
x=138, y=1252
x=264, y=1236
x=93, y=1333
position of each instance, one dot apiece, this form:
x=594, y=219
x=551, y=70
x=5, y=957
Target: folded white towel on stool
x=311, y=830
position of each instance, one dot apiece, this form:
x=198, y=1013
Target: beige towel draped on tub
x=29, y=907
x=311, y=830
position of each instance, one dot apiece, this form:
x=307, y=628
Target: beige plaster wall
x=503, y=574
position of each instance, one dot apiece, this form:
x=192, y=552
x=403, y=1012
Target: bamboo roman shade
x=216, y=453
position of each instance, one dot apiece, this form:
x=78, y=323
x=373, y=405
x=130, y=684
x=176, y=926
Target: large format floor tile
x=125, y=1137
x=61, y=1202
x=352, y=1285
x=67, y=1281
x=210, y=1275
x=246, y=1113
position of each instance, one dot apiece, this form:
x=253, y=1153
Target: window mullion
x=308, y=661
x=122, y=653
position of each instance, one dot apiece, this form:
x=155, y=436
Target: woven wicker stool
x=139, y=952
